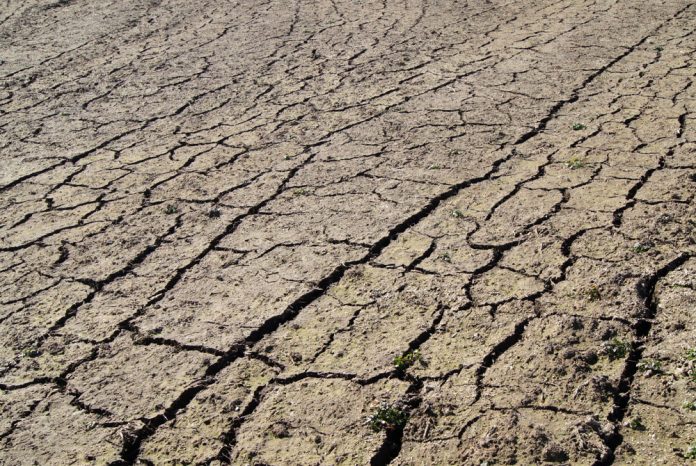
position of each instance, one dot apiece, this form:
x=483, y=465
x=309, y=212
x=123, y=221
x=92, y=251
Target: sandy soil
x=417, y=232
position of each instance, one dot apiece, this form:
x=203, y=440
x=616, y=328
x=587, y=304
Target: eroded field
x=225, y=224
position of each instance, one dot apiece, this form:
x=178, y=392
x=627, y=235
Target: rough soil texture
x=222, y=221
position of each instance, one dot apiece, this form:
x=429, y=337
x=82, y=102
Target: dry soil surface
x=416, y=232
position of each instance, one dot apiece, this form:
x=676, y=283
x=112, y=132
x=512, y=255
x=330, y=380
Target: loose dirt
x=422, y=232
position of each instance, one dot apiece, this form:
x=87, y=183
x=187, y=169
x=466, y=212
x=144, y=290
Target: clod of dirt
x=554, y=453
x=280, y=429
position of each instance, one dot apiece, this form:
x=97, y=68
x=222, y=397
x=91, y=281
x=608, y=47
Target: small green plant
x=388, y=417
x=689, y=405
x=636, y=424
x=579, y=127
x=593, y=293
x=301, y=192
x=170, y=209
x=31, y=353
x=575, y=162
x=659, y=48
x=690, y=357
x=651, y=366
x=640, y=248
x=615, y=349
x=445, y=256
x=407, y=360
x=435, y=167
x=690, y=354
x=690, y=452
x=457, y=214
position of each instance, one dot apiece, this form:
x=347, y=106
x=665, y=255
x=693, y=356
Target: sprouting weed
x=690, y=354
x=593, y=293
x=650, y=366
x=388, y=417
x=31, y=353
x=457, y=214
x=579, y=127
x=636, y=424
x=407, y=360
x=615, y=349
x=575, y=162
x=170, y=209
x=445, y=256
x=690, y=452
x=639, y=248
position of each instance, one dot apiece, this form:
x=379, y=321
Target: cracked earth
x=224, y=224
